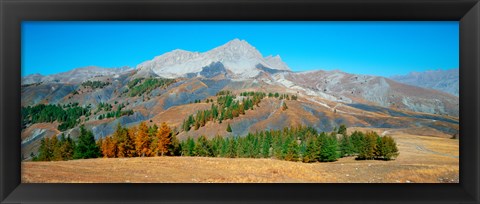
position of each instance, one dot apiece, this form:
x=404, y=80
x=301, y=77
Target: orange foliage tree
x=142, y=141
x=164, y=139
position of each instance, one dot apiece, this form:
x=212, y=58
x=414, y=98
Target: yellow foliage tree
x=132, y=134
x=142, y=141
x=164, y=139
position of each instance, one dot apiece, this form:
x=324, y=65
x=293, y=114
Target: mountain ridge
x=443, y=80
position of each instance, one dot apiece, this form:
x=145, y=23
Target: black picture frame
x=13, y=12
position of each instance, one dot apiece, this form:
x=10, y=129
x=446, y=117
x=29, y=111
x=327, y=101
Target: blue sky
x=375, y=48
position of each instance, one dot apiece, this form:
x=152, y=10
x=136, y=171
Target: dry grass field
x=423, y=159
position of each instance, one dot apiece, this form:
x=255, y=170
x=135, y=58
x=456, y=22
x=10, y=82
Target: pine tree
x=293, y=151
x=56, y=149
x=216, y=145
x=312, y=151
x=175, y=149
x=191, y=146
x=267, y=143
x=229, y=129
x=86, y=146
x=368, y=146
x=164, y=139
x=123, y=142
x=342, y=130
x=142, y=141
x=44, y=153
x=346, y=147
x=388, y=149
x=232, y=148
x=132, y=134
x=202, y=147
x=67, y=147
x=356, y=139
x=328, y=149
x=284, y=106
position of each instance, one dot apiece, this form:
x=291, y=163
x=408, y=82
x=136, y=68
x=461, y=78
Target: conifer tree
x=45, y=152
x=132, y=134
x=284, y=106
x=142, y=141
x=293, y=151
x=164, y=139
x=267, y=143
x=342, y=130
x=229, y=129
x=312, y=151
x=232, y=147
x=123, y=142
x=328, y=149
x=56, y=149
x=174, y=149
x=67, y=147
x=202, y=147
x=86, y=146
x=346, y=147
x=368, y=146
x=389, y=148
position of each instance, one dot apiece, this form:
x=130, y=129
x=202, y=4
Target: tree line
x=68, y=116
x=295, y=144
x=301, y=143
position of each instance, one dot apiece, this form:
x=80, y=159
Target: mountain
x=364, y=89
x=171, y=87
x=74, y=76
x=442, y=80
x=240, y=59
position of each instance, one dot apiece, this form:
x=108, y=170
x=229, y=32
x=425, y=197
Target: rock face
x=442, y=80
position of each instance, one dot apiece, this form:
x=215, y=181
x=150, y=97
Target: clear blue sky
x=375, y=48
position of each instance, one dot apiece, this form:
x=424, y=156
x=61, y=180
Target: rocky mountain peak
x=237, y=56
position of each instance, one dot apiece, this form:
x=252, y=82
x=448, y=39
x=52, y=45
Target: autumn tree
x=122, y=141
x=387, y=148
x=142, y=141
x=109, y=147
x=368, y=146
x=56, y=151
x=45, y=152
x=163, y=139
x=132, y=135
x=67, y=147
